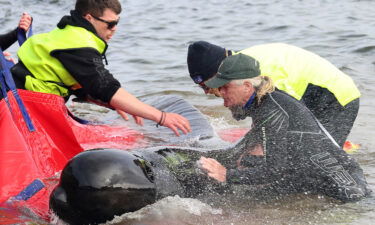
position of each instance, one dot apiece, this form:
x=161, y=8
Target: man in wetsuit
x=287, y=149
x=69, y=61
x=330, y=94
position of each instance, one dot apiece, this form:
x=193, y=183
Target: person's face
x=236, y=95
x=105, y=25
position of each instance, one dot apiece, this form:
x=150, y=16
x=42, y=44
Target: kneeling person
x=286, y=147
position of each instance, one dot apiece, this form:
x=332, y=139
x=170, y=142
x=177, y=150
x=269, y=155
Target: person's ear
x=248, y=85
x=88, y=17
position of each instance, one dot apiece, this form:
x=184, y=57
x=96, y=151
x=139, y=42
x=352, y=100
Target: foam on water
x=166, y=210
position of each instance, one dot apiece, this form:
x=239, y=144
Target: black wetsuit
x=6, y=40
x=299, y=155
x=338, y=120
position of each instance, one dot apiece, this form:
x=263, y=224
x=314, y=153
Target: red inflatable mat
x=29, y=155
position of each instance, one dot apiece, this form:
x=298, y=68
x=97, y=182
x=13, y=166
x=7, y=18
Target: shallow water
x=148, y=55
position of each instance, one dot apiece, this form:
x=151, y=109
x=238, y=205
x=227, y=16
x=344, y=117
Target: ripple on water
x=365, y=49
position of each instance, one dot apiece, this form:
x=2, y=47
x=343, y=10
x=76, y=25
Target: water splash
x=170, y=209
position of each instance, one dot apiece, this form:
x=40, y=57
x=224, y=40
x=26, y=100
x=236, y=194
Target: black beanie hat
x=204, y=60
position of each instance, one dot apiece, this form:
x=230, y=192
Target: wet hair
x=97, y=7
x=262, y=84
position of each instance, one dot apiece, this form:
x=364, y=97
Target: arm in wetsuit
x=6, y=40
x=269, y=132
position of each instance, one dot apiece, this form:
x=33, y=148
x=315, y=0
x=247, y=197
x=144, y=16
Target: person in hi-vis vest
x=69, y=61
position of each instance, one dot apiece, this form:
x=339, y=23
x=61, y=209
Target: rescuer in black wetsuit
x=286, y=148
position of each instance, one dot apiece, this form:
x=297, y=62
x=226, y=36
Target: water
x=148, y=55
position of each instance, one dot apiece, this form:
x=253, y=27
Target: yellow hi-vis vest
x=292, y=69
x=47, y=71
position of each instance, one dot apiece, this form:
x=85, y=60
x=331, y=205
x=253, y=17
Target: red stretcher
x=39, y=155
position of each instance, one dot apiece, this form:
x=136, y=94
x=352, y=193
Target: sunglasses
x=110, y=24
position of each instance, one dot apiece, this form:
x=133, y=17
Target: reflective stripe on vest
x=292, y=69
x=47, y=71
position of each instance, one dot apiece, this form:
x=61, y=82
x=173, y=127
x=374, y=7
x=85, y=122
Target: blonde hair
x=262, y=85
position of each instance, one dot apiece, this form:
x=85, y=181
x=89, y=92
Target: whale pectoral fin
x=201, y=128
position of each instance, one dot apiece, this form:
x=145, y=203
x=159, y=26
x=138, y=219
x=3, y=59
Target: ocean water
x=148, y=56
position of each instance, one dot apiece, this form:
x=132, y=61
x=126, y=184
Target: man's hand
x=175, y=121
x=7, y=57
x=127, y=102
x=138, y=120
x=213, y=168
x=25, y=21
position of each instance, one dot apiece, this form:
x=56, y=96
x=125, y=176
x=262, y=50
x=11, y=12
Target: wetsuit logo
x=342, y=178
x=264, y=143
x=99, y=67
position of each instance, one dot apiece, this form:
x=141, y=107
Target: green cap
x=235, y=67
